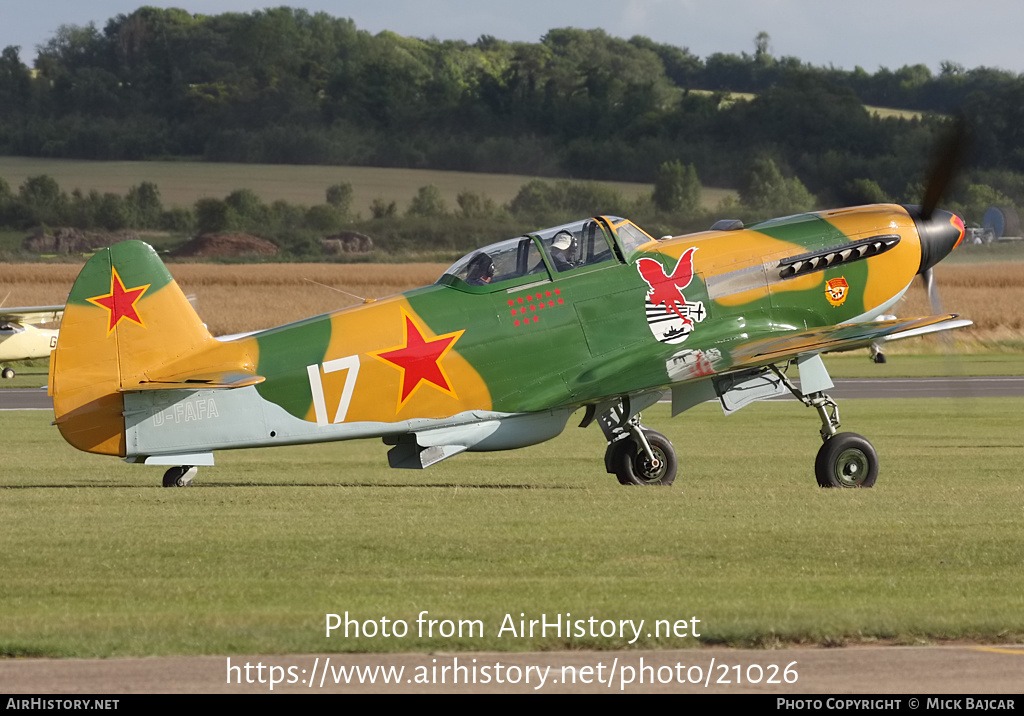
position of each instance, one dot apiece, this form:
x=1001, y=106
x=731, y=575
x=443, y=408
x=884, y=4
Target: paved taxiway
x=922, y=671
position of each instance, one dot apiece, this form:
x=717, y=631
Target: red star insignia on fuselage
x=120, y=301
x=420, y=359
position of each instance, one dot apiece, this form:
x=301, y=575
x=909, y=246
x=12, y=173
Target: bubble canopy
x=547, y=254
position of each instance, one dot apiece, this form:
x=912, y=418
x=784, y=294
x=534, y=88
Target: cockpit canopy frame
x=548, y=254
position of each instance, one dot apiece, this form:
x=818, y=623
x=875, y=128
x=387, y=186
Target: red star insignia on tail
x=120, y=301
x=420, y=359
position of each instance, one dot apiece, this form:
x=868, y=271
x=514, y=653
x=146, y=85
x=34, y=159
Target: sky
x=866, y=33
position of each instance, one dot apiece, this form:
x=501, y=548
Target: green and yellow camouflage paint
x=620, y=321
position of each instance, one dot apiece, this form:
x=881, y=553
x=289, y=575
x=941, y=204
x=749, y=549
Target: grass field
x=876, y=111
x=182, y=183
x=100, y=561
x=885, y=112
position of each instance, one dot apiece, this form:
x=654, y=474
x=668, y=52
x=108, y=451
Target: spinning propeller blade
x=948, y=161
x=940, y=231
x=933, y=291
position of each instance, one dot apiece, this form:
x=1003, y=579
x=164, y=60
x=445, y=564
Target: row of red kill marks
x=535, y=302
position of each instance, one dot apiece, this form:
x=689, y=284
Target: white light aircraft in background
x=21, y=338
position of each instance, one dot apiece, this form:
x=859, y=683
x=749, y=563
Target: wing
x=838, y=338
x=746, y=360
x=31, y=314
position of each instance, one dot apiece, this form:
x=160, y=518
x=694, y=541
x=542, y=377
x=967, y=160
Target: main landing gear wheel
x=7, y=373
x=633, y=466
x=846, y=460
x=180, y=476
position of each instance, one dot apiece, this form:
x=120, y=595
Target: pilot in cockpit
x=480, y=271
x=564, y=251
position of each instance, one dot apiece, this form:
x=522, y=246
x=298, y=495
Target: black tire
x=632, y=466
x=175, y=477
x=7, y=373
x=846, y=460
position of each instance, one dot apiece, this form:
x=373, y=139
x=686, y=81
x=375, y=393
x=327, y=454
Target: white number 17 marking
x=316, y=385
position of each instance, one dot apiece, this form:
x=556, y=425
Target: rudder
x=126, y=324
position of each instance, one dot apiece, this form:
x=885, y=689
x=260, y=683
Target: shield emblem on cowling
x=836, y=290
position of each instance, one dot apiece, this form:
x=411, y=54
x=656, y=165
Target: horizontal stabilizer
x=31, y=314
x=197, y=381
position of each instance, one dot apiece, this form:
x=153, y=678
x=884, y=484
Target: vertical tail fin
x=125, y=325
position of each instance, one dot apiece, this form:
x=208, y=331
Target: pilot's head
x=480, y=270
x=564, y=243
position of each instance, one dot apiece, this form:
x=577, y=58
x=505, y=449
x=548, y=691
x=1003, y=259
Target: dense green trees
x=41, y=201
x=766, y=191
x=426, y=224
x=428, y=202
x=677, y=188
x=284, y=85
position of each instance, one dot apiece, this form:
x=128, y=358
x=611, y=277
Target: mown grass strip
x=98, y=560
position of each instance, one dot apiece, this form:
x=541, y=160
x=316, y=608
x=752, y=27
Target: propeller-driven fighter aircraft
x=22, y=339
x=594, y=316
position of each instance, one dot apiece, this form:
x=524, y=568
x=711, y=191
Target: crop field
x=239, y=298
x=182, y=183
x=99, y=560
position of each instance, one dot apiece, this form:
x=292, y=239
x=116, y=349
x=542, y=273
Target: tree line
x=427, y=223
x=287, y=86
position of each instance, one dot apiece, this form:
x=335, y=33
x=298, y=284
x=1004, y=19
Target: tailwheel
x=7, y=373
x=634, y=464
x=180, y=476
x=846, y=460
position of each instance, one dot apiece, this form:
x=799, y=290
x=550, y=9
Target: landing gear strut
x=180, y=476
x=845, y=459
x=877, y=356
